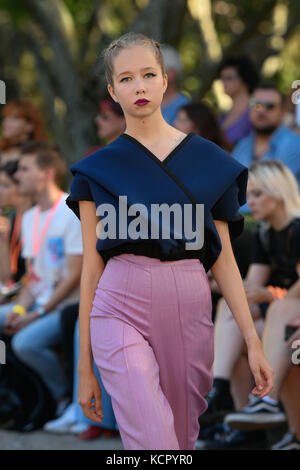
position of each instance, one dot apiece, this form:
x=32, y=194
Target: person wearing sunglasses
x=270, y=138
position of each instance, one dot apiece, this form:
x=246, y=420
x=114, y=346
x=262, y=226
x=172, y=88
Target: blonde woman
x=145, y=306
x=272, y=284
x=274, y=200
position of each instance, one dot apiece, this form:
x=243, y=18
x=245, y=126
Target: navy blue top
x=197, y=171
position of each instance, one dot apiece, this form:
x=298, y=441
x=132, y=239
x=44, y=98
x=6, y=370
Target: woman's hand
x=261, y=370
x=89, y=396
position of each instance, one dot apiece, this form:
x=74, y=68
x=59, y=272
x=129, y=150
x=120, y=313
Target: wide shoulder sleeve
x=231, y=199
x=79, y=191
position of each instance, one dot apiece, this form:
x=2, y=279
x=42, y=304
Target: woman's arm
x=255, y=284
x=89, y=392
x=258, y=274
x=228, y=277
x=92, y=268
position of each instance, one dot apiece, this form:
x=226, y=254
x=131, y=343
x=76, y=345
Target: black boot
x=219, y=402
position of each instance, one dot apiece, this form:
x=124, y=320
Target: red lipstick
x=141, y=102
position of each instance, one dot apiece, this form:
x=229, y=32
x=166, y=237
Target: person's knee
x=22, y=348
x=4, y=311
x=275, y=311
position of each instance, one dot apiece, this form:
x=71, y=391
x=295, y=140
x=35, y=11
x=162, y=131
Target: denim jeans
x=108, y=420
x=33, y=346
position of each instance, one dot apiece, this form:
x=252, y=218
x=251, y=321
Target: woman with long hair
x=145, y=305
x=239, y=78
x=199, y=118
x=274, y=285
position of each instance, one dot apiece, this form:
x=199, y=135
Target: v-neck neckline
x=152, y=155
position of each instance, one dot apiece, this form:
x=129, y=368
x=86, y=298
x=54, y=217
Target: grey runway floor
x=40, y=440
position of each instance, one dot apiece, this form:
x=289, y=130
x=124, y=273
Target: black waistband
x=153, y=249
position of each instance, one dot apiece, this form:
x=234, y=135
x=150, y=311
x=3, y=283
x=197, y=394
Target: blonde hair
x=277, y=180
x=125, y=41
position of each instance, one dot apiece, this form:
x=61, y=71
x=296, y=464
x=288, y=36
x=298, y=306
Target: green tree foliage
x=49, y=50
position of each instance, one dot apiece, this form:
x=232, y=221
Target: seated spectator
x=270, y=139
x=173, y=99
x=12, y=266
x=266, y=412
x=52, y=248
x=73, y=420
x=21, y=122
x=110, y=122
x=289, y=393
x=275, y=202
x=11, y=154
x=198, y=118
x=239, y=78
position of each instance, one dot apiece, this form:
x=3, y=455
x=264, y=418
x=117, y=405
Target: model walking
x=145, y=305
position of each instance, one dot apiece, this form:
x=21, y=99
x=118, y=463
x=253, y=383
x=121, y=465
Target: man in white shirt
x=52, y=248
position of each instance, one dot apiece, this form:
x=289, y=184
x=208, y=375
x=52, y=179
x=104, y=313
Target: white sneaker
x=61, y=406
x=63, y=424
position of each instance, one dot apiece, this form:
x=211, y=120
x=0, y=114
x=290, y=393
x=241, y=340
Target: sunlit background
x=49, y=50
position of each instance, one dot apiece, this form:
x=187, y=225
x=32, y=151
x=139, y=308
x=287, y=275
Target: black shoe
x=219, y=403
x=209, y=432
x=288, y=442
x=256, y=415
x=224, y=437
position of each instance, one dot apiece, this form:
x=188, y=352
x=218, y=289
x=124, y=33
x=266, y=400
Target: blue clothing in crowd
x=284, y=146
x=170, y=111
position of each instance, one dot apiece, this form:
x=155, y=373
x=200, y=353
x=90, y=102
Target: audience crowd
x=41, y=259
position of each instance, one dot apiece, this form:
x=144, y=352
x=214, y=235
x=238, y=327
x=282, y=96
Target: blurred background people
x=21, y=122
x=173, y=98
x=239, y=78
x=272, y=280
x=109, y=121
x=199, y=118
x=270, y=139
x=52, y=248
x=12, y=266
x=110, y=124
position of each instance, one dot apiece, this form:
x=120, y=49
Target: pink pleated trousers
x=152, y=341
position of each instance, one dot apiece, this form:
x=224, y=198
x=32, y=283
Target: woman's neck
x=240, y=101
x=23, y=205
x=150, y=128
x=47, y=197
x=279, y=219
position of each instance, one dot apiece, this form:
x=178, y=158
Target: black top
x=280, y=249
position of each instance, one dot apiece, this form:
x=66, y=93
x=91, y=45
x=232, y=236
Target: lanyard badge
x=37, y=241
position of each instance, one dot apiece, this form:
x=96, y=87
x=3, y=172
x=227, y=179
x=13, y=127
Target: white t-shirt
x=63, y=238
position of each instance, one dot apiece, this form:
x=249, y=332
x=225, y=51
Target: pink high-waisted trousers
x=152, y=341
